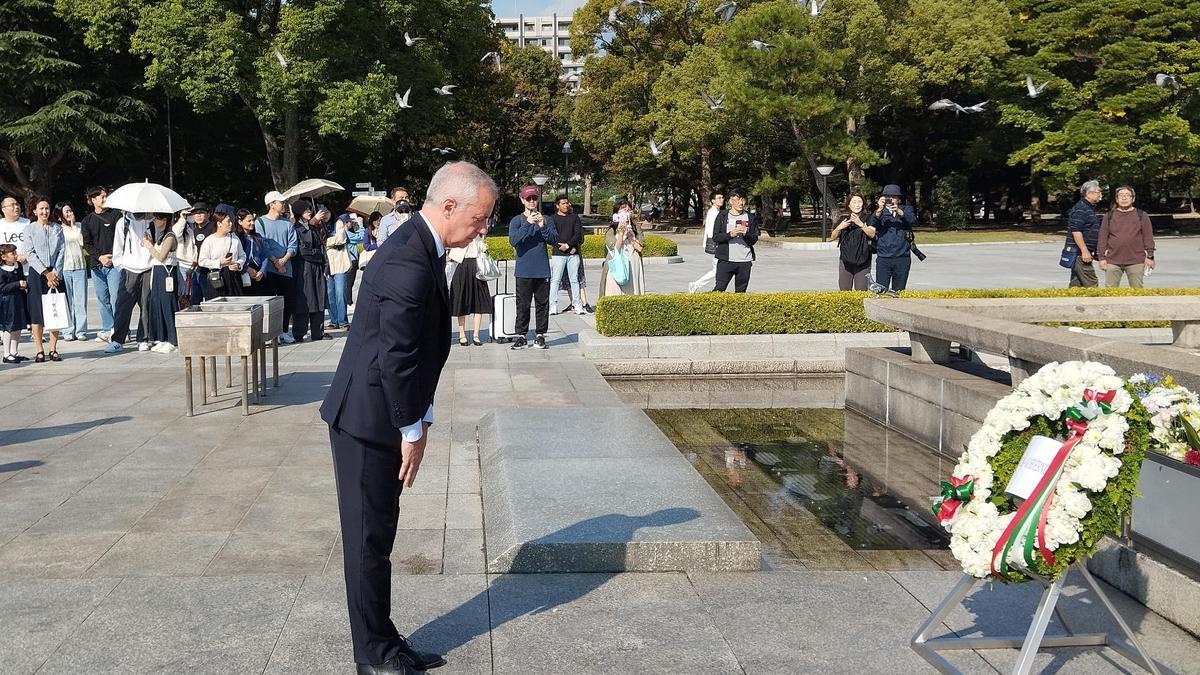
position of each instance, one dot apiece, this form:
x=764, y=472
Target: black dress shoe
x=421, y=660
x=399, y=664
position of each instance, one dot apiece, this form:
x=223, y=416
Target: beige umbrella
x=367, y=205
x=310, y=188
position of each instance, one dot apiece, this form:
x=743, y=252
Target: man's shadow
x=514, y=595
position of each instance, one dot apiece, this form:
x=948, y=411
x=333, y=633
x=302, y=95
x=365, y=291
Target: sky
x=535, y=7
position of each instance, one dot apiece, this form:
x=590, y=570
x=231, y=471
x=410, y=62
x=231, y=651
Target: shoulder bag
x=486, y=268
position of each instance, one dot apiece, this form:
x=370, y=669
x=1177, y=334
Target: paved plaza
x=134, y=539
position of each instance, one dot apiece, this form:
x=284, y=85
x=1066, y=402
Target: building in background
x=551, y=33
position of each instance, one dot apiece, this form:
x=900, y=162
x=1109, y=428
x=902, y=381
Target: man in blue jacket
x=893, y=223
x=1083, y=230
x=529, y=233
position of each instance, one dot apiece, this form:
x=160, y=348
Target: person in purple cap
x=529, y=233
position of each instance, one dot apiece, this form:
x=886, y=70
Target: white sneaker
x=286, y=339
x=580, y=312
x=693, y=287
x=164, y=348
x=143, y=346
x=68, y=338
x=113, y=348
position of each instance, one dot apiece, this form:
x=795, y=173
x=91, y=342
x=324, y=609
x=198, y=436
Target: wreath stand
x=928, y=647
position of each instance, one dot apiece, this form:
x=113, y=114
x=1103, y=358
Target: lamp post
x=540, y=180
x=566, y=153
x=824, y=170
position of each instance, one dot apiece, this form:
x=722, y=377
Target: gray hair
x=1089, y=186
x=460, y=181
x=1129, y=189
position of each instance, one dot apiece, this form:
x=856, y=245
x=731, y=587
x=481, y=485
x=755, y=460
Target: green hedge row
x=811, y=312
x=593, y=247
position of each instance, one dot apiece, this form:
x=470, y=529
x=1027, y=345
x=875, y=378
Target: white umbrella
x=311, y=187
x=146, y=198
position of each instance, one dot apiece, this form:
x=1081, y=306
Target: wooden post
x=212, y=362
x=229, y=372
x=245, y=385
x=275, y=348
x=187, y=382
x=203, y=381
x=254, y=357
x=262, y=368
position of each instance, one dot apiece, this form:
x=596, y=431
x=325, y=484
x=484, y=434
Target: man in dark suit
x=380, y=405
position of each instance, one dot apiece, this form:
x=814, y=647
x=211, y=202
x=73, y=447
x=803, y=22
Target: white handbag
x=486, y=268
x=54, y=310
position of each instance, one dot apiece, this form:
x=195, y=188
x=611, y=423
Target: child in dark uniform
x=12, y=303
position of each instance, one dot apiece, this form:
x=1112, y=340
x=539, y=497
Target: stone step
x=600, y=490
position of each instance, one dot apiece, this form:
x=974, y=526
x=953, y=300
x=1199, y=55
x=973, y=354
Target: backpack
x=855, y=250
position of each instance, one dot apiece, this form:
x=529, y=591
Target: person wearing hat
x=893, y=223
x=279, y=242
x=529, y=233
x=190, y=230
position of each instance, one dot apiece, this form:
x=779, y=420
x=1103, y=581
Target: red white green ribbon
x=1037, y=507
x=955, y=493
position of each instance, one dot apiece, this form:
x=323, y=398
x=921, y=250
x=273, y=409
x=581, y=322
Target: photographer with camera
x=893, y=223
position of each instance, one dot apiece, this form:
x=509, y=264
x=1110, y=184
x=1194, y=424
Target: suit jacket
x=399, y=340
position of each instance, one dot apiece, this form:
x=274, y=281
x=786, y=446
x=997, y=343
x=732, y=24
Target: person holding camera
x=893, y=223
x=529, y=233
x=853, y=236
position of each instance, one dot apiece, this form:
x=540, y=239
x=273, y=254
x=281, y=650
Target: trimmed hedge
x=793, y=313
x=593, y=247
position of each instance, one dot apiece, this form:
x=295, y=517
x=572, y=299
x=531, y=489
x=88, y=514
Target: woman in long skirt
x=310, y=269
x=468, y=293
x=161, y=243
x=624, y=235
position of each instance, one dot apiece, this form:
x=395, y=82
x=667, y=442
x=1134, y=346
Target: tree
x=50, y=110
x=1102, y=114
x=328, y=68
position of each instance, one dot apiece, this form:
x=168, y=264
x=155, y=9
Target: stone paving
x=134, y=539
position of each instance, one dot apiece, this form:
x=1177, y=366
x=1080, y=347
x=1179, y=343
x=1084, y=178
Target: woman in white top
x=74, y=272
x=469, y=295
x=161, y=243
x=222, y=254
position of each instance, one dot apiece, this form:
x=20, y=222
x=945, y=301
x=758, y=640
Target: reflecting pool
x=822, y=488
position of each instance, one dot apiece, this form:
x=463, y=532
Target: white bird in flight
x=657, y=149
x=494, y=56
x=443, y=151
x=403, y=100
x=444, y=90
x=977, y=108
x=815, y=6
x=283, y=63
x=635, y=3
x=760, y=45
x=410, y=41
x=946, y=104
x=1164, y=80
x=1034, y=90
x=726, y=10
x=713, y=103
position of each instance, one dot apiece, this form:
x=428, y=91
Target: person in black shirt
x=98, y=229
x=566, y=253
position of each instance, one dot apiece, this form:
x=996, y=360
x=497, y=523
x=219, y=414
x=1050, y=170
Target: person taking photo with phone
x=893, y=223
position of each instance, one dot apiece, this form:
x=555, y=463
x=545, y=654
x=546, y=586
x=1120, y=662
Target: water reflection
x=818, y=487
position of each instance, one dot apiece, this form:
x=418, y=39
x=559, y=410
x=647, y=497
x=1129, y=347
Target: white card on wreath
x=1034, y=463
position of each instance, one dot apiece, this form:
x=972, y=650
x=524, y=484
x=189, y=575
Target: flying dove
x=443, y=151
x=726, y=10
x=494, y=56
x=815, y=6
x=403, y=100
x=946, y=104
x=444, y=90
x=1164, y=80
x=760, y=45
x=713, y=104
x=977, y=108
x=410, y=41
x=1034, y=90
x=658, y=149
x=283, y=63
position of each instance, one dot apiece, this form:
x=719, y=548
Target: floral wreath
x=1084, y=487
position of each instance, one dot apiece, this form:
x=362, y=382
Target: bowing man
x=380, y=405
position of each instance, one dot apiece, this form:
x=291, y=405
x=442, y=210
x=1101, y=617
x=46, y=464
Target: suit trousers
x=134, y=290
x=537, y=291
x=368, y=493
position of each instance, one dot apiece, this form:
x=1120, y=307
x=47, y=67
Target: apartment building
x=551, y=33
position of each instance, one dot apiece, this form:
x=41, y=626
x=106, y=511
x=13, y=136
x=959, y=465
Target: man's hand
x=105, y=260
x=411, y=455
x=1085, y=256
x=564, y=247
x=1103, y=265
x=279, y=265
x=1149, y=263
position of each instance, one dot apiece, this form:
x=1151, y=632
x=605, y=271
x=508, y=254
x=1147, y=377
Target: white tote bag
x=54, y=310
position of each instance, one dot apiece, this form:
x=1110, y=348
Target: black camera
x=912, y=245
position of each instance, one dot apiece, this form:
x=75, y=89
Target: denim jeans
x=335, y=287
x=557, y=264
x=107, y=282
x=76, y=282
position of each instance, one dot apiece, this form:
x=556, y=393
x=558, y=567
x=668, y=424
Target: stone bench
x=600, y=490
